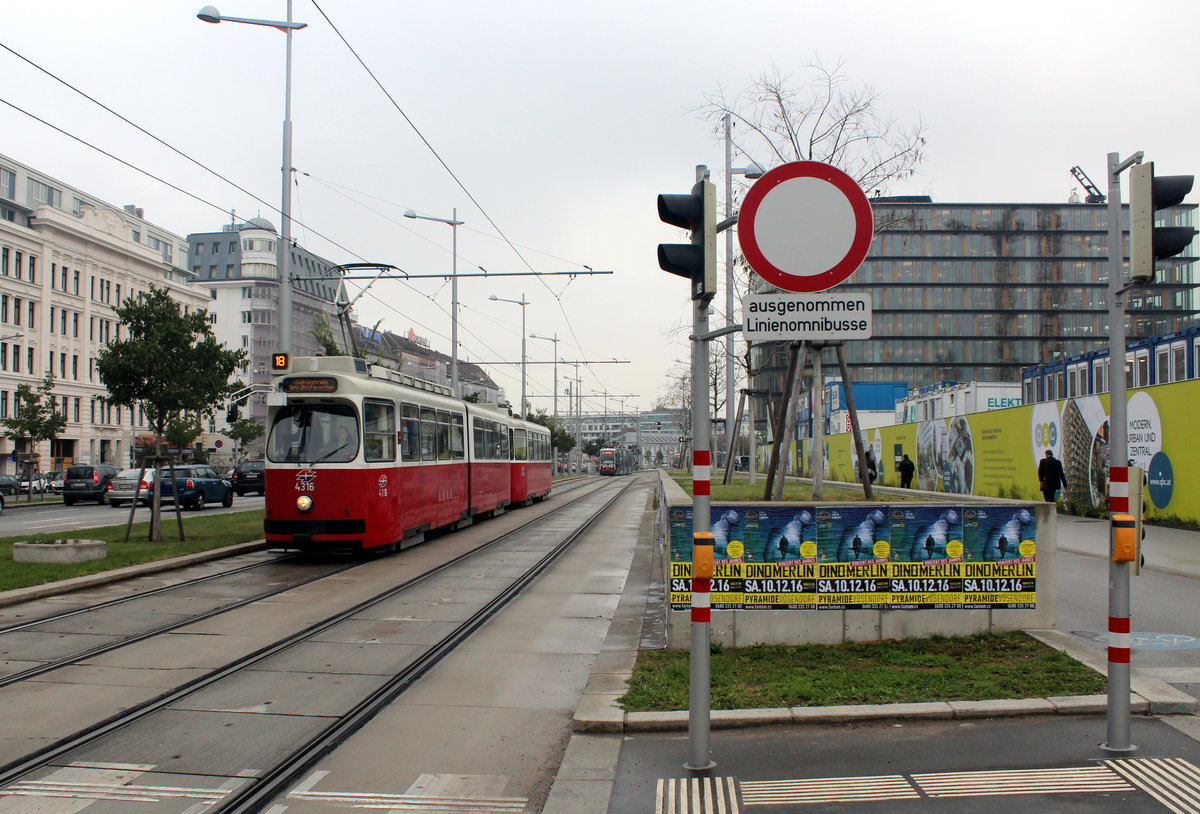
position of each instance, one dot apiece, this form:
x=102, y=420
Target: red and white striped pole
x=1118, y=721
x=699, y=695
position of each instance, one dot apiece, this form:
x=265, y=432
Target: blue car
x=196, y=485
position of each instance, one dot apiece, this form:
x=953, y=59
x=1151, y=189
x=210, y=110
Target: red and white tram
x=363, y=457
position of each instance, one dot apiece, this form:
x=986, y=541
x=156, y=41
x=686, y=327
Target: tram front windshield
x=314, y=433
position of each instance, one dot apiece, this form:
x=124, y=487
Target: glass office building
x=975, y=292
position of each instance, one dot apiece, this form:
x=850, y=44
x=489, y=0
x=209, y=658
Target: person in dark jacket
x=1050, y=476
x=906, y=468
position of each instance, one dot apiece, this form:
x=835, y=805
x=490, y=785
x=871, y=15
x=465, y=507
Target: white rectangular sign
x=781, y=315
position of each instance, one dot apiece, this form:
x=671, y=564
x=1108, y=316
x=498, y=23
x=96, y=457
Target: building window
x=40, y=193
x=8, y=184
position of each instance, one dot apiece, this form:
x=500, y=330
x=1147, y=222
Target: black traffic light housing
x=697, y=212
x=1149, y=243
x=231, y=415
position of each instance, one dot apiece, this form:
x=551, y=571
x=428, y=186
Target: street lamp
x=209, y=14
x=454, y=223
x=555, y=340
x=755, y=170
x=521, y=302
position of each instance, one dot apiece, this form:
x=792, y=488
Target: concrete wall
x=740, y=628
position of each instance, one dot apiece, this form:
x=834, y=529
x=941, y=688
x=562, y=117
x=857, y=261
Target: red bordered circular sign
x=805, y=226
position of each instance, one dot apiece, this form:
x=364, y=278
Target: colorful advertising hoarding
x=996, y=453
x=852, y=556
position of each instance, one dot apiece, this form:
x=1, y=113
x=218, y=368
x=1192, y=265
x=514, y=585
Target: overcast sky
x=563, y=121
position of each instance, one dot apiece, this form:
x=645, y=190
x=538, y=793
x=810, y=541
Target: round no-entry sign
x=805, y=226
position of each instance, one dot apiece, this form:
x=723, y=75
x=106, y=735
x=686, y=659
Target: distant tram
x=616, y=461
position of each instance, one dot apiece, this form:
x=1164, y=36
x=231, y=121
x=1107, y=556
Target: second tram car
x=361, y=457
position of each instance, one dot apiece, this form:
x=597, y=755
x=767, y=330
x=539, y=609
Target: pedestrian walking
x=1050, y=476
x=906, y=468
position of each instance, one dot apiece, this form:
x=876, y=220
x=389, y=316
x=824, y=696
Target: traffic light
x=697, y=212
x=231, y=415
x=1149, y=243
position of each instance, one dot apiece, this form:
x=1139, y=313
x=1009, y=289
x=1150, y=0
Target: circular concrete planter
x=60, y=551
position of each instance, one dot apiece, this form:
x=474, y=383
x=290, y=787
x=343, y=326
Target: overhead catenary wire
x=308, y=229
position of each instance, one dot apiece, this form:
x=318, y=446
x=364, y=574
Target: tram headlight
x=304, y=503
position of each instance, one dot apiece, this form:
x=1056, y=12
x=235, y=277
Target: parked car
x=55, y=480
x=88, y=482
x=248, y=476
x=195, y=486
x=38, y=483
x=122, y=488
x=8, y=484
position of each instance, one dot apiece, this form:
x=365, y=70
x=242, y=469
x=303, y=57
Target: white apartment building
x=67, y=259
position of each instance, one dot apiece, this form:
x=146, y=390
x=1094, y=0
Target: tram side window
x=457, y=452
x=410, y=433
x=428, y=434
x=480, y=438
x=520, y=445
x=1178, y=362
x=503, y=448
x=443, y=435
x=379, y=433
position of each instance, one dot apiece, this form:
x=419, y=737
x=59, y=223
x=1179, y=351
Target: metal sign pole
x=1118, y=459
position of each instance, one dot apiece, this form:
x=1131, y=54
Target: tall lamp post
x=555, y=340
x=454, y=223
x=752, y=172
x=521, y=302
x=209, y=14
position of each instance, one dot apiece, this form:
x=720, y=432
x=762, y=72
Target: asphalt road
x=56, y=517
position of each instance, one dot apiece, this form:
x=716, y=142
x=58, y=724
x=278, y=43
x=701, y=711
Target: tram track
x=48, y=664
x=333, y=728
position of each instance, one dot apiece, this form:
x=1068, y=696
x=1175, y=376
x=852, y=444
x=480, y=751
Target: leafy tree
x=170, y=364
x=560, y=439
x=323, y=333
x=183, y=430
x=591, y=447
x=245, y=431
x=34, y=419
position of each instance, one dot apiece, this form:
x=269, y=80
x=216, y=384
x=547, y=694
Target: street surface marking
x=696, y=795
x=1021, y=781
x=1172, y=781
x=827, y=790
x=429, y=793
x=85, y=785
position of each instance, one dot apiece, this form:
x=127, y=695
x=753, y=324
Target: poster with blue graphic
x=855, y=556
x=1000, y=552
x=927, y=556
x=853, y=550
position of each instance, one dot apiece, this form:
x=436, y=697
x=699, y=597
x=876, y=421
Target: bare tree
x=815, y=113
x=821, y=116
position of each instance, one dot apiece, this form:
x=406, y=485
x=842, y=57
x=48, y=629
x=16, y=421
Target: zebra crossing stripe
x=696, y=795
x=1174, y=782
x=827, y=790
x=1023, y=781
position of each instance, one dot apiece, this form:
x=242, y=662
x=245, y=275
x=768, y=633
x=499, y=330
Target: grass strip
x=941, y=668
x=203, y=532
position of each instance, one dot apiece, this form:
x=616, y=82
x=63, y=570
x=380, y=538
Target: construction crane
x=1094, y=195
